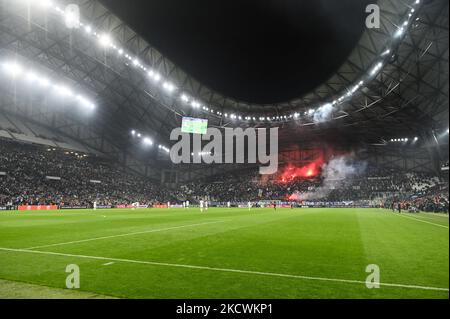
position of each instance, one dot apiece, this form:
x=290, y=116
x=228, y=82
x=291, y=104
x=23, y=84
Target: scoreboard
x=194, y=126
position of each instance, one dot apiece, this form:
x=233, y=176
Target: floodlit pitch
x=224, y=253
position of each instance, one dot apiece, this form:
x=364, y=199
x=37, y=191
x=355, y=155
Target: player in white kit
x=229, y=205
x=249, y=205
x=202, y=204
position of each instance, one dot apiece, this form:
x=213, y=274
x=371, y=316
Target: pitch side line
x=121, y=235
x=421, y=220
x=247, y=272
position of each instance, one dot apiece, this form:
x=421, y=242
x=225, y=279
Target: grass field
x=225, y=253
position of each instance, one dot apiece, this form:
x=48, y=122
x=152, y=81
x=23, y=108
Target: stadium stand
x=83, y=179
x=38, y=175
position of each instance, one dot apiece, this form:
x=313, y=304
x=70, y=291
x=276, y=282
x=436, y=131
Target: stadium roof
x=395, y=82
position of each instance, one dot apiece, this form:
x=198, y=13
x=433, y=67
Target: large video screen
x=194, y=126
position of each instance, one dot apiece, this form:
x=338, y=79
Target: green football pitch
x=224, y=253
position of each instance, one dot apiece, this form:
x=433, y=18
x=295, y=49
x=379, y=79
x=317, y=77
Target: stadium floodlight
x=13, y=69
x=399, y=32
x=31, y=76
x=85, y=102
x=388, y=51
x=44, y=82
x=184, y=98
x=72, y=17
x=147, y=141
x=154, y=75
x=45, y=3
x=195, y=104
x=376, y=68
x=157, y=77
x=105, y=40
x=139, y=135
x=169, y=87
x=133, y=132
x=88, y=29
x=63, y=90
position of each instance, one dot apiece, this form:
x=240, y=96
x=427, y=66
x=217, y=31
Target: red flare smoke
x=309, y=171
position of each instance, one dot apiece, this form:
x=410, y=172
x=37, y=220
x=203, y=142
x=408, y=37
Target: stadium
x=161, y=150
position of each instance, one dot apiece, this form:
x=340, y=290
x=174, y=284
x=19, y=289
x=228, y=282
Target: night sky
x=259, y=51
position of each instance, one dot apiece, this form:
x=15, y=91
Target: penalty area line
x=246, y=272
x=122, y=235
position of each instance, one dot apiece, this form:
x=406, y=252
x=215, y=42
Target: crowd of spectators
x=37, y=175
x=374, y=183
x=434, y=199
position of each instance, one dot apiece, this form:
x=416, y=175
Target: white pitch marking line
x=421, y=220
x=109, y=264
x=434, y=214
x=248, y=272
x=122, y=235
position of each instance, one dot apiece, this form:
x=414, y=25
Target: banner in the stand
x=38, y=207
x=131, y=206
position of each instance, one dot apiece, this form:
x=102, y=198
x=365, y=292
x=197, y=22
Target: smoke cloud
x=335, y=173
x=323, y=114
